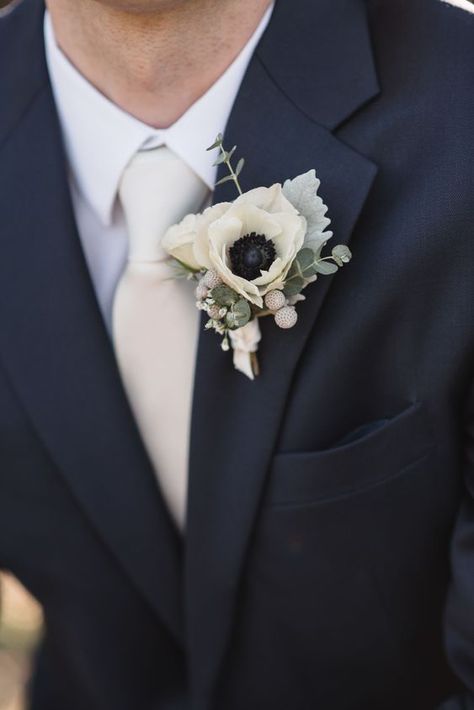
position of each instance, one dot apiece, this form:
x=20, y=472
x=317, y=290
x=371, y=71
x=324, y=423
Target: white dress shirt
x=100, y=140
x=462, y=4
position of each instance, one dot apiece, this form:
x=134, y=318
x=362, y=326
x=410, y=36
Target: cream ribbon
x=244, y=343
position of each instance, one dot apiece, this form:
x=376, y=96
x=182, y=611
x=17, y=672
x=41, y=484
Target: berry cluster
x=227, y=310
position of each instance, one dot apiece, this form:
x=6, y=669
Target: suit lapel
x=236, y=421
x=55, y=349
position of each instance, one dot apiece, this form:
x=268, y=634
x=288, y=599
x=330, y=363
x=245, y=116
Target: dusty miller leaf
x=302, y=193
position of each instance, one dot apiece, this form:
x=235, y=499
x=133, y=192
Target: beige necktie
x=155, y=321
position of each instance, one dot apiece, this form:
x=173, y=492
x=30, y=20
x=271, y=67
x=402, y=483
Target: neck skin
x=155, y=62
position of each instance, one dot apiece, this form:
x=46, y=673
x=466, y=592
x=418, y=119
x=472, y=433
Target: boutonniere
x=253, y=257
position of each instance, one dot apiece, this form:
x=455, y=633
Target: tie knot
x=157, y=190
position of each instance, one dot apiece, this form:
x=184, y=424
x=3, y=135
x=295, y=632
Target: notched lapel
x=57, y=353
x=236, y=421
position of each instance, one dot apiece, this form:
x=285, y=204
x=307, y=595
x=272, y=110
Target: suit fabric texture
x=329, y=556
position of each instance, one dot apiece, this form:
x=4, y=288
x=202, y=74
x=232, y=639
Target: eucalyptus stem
x=301, y=273
x=263, y=313
x=227, y=161
x=225, y=158
x=255, y=364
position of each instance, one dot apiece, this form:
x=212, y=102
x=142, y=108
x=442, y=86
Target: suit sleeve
x=459, y=618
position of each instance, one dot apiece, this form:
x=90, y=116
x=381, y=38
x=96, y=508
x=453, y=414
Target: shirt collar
x=100, y=138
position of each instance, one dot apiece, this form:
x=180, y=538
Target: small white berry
x=286, y=317
x=201, y=292
x=212, y=279
x=274, y=300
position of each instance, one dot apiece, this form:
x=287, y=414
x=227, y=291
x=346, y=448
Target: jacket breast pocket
x=371, y=455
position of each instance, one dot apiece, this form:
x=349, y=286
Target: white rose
x=179, y=240
x=265, y=212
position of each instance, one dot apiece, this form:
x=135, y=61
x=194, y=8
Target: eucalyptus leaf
x=239, y=314
x=294, y=286
x=217, y=143
x=294, y=271
x=224, y=296
x=242, y=307
x=326, y=268
x=182, y=266
x=342, y=253
x=306, y=262
x=231, y=152
x=227, y=178
x=221, y=158
x=240, y=166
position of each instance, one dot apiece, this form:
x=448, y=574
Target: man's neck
x=154, y=65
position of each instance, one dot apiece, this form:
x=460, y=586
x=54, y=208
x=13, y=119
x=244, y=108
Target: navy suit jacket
x=329, y=554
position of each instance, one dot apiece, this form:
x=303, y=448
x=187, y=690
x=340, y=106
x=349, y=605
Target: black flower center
x=251, y=254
